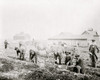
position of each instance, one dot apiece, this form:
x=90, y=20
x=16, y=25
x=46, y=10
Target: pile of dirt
x=55, y=73
x=5, y=78
x=5, y=65
x=38, y=74
x=44, y=74
x=94, y=72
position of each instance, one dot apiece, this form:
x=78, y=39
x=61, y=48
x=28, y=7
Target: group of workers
x=71, y=60
x=78, y=64
x=21, y=50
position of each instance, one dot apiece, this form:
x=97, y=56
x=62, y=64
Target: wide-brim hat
x=67, y=53
x=77, y=55
x=93, y=40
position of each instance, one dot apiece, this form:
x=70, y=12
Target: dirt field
x=11, y=68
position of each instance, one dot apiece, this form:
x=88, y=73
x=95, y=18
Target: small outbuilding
x=22, y=37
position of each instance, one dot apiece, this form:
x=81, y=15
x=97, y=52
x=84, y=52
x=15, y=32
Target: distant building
x=80, y=40
x=91, y=34
x=22, y=37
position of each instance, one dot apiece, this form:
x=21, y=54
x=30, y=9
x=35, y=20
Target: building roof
x=68, y=36
x=90, y=32
x=86, y=35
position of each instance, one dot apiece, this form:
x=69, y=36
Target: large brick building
x=82, y=40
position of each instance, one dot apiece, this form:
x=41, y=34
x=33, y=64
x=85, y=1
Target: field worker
x=5, y=44
x=79, y=65
x=17, y=51
x=56, y=53
x=22, y=49
x=67, y=58
x=93, y=49
x=57, y=56
x=33, y=56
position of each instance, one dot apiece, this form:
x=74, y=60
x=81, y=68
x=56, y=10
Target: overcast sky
x=43, y=19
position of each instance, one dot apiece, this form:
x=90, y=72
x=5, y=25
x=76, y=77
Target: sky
x=43, y=19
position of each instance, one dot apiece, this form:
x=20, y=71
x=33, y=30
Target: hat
x=93, y=39
x=67, y=53
x=77, y=55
